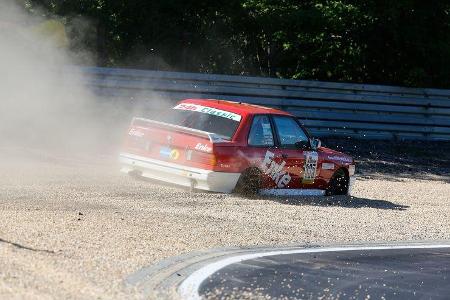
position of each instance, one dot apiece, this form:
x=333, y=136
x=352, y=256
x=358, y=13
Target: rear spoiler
x=213, y=137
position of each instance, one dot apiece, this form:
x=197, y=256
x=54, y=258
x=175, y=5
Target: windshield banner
x=209, y=110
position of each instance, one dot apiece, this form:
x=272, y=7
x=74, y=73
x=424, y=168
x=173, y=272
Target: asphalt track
x=386, y=272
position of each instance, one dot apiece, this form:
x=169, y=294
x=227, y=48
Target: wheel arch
x=331, y=188
x=347, y=174
x=251, y=172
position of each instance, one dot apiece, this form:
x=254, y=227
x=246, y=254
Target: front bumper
x=178, y=174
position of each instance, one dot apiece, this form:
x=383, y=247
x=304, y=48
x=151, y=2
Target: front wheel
x=338, y=184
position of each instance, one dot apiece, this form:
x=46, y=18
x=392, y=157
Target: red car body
x=212, y=144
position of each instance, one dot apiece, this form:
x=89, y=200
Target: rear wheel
x=249, y=182
x=338, y=184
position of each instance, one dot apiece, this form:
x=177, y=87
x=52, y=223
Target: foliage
x=404, y=42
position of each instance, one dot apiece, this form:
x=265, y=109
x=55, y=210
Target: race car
x=224, y=146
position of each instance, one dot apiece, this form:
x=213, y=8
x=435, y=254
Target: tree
x=404, y=42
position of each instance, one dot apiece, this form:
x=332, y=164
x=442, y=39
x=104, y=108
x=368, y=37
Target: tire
x=249, y=182
x=338, y=184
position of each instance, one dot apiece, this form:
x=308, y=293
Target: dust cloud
x=44, y=103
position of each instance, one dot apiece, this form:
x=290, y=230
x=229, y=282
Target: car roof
x=236, y=107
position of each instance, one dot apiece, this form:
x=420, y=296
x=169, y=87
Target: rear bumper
x=178, y=174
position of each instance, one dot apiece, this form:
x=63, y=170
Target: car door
x=294, y=144
x=263, y=153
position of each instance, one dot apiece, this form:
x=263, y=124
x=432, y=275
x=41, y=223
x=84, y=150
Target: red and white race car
x=225, y=146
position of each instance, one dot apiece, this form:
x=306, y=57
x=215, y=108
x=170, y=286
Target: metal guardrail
x=327, y=109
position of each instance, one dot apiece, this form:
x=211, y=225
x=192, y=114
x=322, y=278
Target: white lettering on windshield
x=209, y=111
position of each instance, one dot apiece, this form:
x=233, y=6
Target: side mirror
x=315, y=144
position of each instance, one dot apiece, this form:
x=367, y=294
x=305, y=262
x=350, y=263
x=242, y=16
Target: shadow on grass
x=340, y=201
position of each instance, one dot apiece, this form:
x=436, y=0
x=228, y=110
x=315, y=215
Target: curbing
x=172, y=276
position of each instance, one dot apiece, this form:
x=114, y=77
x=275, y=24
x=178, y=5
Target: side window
x=289, y=132
x=261, y=132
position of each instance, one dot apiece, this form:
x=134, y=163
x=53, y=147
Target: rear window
x=204, y=118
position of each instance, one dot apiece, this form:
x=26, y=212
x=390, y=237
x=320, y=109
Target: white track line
x=189, y=288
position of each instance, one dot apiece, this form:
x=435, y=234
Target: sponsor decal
x=135, y=132
x=209, y=110
x=327, y=166
x=267, y=134
x=188, y=154
x=165, y=152
x=174, y=154
x=275, y=171
x=169, y=153
x=310, y=167
x=344, y=159
x=203, y=147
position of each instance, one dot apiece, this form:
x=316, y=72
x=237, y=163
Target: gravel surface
x=75, y=227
